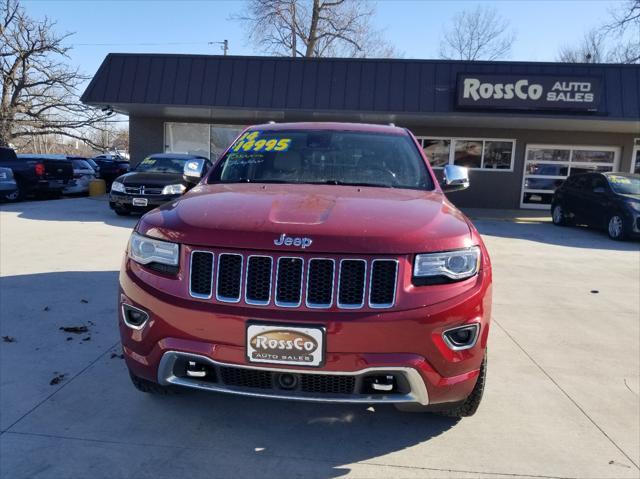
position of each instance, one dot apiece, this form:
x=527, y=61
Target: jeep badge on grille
x=285, y=240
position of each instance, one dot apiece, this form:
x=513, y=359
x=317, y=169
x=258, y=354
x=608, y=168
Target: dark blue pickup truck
x=42, y=175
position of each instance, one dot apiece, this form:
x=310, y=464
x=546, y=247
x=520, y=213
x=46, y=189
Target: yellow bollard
x=97, y=187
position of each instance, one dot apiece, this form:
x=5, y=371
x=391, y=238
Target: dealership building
x=520, y=127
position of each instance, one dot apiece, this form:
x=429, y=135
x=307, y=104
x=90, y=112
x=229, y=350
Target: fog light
x=461, y=338
x=133, y=317
x=287, y=381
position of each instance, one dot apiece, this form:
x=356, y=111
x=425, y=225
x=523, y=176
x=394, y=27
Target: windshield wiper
x=347, y=183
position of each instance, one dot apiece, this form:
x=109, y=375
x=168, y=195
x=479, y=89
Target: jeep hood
x=338, y=219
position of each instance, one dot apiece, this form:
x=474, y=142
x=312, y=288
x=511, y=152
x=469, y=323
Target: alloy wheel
x=615, y=227
x=558, y=215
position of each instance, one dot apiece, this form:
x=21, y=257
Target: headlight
x=455, y=265
x=634, y=205
x=118, y=187
x=173, y=189
x=146, y=250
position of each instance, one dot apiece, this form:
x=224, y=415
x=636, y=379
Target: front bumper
x=407, y=344
x=123, y=200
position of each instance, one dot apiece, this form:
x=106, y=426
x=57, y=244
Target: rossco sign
x=528, y=92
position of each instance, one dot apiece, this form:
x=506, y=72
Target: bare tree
x=625, y=27
x=39, y=91
x=617, y=41
x=314, y=28
x=590, y=50
x=480, y=34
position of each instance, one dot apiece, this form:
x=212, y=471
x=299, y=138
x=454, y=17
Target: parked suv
x=111, y=166
x=608, y=201
x=314, y=261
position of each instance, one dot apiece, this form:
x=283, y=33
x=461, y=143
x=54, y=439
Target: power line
x=224, y=43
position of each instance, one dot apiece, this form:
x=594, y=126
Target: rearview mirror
x=455, y=178
x=193, y=170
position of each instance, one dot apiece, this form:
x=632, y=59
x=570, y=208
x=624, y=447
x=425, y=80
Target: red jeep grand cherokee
x=314, y=261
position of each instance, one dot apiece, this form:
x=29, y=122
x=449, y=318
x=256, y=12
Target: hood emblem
x=285, y=240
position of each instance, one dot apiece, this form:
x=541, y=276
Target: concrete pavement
x=562, y=389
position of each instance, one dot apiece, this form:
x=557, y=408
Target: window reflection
x=437, y=152
x=468, y=153
x=497, y=154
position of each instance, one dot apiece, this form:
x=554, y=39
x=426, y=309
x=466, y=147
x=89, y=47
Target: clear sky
x=413, y=26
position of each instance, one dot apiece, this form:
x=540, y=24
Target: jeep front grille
x=293, y=281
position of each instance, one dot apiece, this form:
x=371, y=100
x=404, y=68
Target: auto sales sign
x=528, y=92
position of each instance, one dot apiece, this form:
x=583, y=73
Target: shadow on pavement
x=570, y=236
x=85, y=209
x=209, y=434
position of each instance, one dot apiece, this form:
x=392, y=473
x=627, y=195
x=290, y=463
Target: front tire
x=616, y=227
x=149, y=387
x=122, y=211
x=466, y=408
x=558, y=216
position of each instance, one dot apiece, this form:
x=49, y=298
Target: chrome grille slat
x=289, y=281
x=259, y=271
x=351, y=283
x=201, y=274
x=383, y=283
x=316, y=292
x=294, y=281
x=230, y=267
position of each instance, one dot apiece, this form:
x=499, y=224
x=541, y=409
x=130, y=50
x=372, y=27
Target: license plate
x=282, y=344
x=140, y=202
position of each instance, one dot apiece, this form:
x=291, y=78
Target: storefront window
x=593, y=156
x=497, y=155
x=635, y=158
x=470, y=153
x=191, y=138
x=438, y=152
x=546, y=167
x=221, y=137
x=199, y=138
x=548, y=154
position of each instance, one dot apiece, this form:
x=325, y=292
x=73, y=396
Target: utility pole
x=225, y=46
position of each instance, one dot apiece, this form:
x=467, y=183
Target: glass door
x=547, y=166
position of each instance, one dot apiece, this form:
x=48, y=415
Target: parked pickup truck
x=36, y=174
x=317, y=262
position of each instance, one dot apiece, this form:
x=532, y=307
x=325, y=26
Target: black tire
x=471, y=404
x=122, y=211
x=149, y=387
x=466, y=408
x=617, y=227
x=558, y=215
x=16, y=196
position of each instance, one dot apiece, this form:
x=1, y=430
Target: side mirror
x=599, y=190
x=193, y=170
x=455, y=178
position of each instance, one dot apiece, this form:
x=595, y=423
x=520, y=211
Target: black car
x=603, y=200
x=155, y=180
x=111, y=166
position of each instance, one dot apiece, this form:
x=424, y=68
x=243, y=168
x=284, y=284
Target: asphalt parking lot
x=562, y=396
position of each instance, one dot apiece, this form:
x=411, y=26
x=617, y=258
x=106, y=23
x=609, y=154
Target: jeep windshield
x=324, y=157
